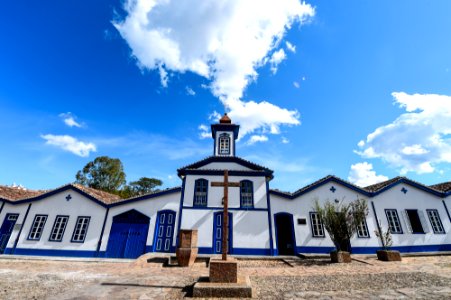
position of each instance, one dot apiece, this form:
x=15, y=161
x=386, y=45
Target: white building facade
x=78, y=221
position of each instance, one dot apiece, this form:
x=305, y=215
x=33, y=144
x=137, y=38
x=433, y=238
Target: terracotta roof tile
x=444, y=187
x=376, y=187
x=18, y=193
x=105, y=197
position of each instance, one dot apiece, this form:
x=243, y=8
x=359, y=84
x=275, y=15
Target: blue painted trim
x=447, y=211
x=231, y=173
x=230, y=208
x=293, y=234
x=147, y=197
x=21, y=227
x=75, y=228
x=180, y=212
x=99, y=243
x=32, y=225
x=196, y=183
x=53, y=228
x=268, y=205
x=53, y=252
x=157, y=226
x=1, y=208
x=399, y=220
x=411, y=183
x=230, y=232
x=225, y=127
x=241, y=197
x=315, y=249
x=251, y=251
x=223, y=159
x=439, y=220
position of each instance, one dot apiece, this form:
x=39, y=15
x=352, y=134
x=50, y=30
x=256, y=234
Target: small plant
x=385, y=237
x=342, y=220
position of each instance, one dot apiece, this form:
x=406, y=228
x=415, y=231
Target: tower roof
x=225, y=119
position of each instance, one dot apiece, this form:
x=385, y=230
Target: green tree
x=103, y=173
x=341, y=220
x=140, y=187
x=145, y=185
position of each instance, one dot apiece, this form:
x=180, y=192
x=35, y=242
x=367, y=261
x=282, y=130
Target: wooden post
x=225, y=225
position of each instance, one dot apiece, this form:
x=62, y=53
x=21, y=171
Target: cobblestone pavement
x=427, y=277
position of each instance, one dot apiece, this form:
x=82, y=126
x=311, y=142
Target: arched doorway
x=128, y=235
x=164, y=231
x=286, y=242
x=217, y=232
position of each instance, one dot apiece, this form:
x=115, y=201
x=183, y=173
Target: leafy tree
x=384, y=236
x=142, y=186
x=341, y=220
x=103, y=173
x=145, y=185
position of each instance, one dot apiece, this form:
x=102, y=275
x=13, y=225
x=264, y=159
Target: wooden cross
x=225, y=225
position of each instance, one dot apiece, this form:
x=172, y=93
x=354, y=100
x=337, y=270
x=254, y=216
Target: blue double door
x=164, y=231
x=6, y=229
x=128, y=235
x=218, y=223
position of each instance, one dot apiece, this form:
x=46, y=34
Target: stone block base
x=186, y=256
x=205, y=289
x=224, y=270
x=388, y=255
x=340, y=257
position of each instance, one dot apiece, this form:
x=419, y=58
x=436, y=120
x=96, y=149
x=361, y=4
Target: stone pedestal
x=225, y=271
x=388, y=255
x=340, y=257
x=187, y=251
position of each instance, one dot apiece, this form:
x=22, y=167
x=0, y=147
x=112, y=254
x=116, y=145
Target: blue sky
x=359, y=89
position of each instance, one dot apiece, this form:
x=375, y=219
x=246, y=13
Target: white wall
x=55, y=205
x=224, y=166
x=415, y=198
x=149, y=207
x=215, y=194
x=250, y=228
x=301, y=206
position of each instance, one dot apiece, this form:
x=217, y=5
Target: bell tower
x=224, y=135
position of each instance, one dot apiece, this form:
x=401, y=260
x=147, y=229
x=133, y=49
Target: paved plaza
x=421, y=277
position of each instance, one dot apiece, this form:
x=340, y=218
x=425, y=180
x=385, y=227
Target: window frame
x=428, y=211
x=41, y=228
x=389, y=223
x=75, y=229
x=251, y=194
x=54, y=227
x=365, y=227
x=225, y=137
x=313, y=226
x=197, y=203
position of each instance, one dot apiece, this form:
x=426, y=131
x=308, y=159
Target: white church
x=73, y=220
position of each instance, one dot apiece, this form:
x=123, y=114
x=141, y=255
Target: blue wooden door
x=6, y=229
x=164, y=231
x=136, y=240
x=217, y=232
x=128, y=235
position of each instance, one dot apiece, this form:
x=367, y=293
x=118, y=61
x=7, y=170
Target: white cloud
x=71, y=144
x=190, y=91
x=223, y=41
x=276, y=58
x=362, y=174
x=285, y=140
x=69, y=119
x=290, y=47
x=417, y=140
x=296, y=84
x=257, y=138
x=204, y=131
